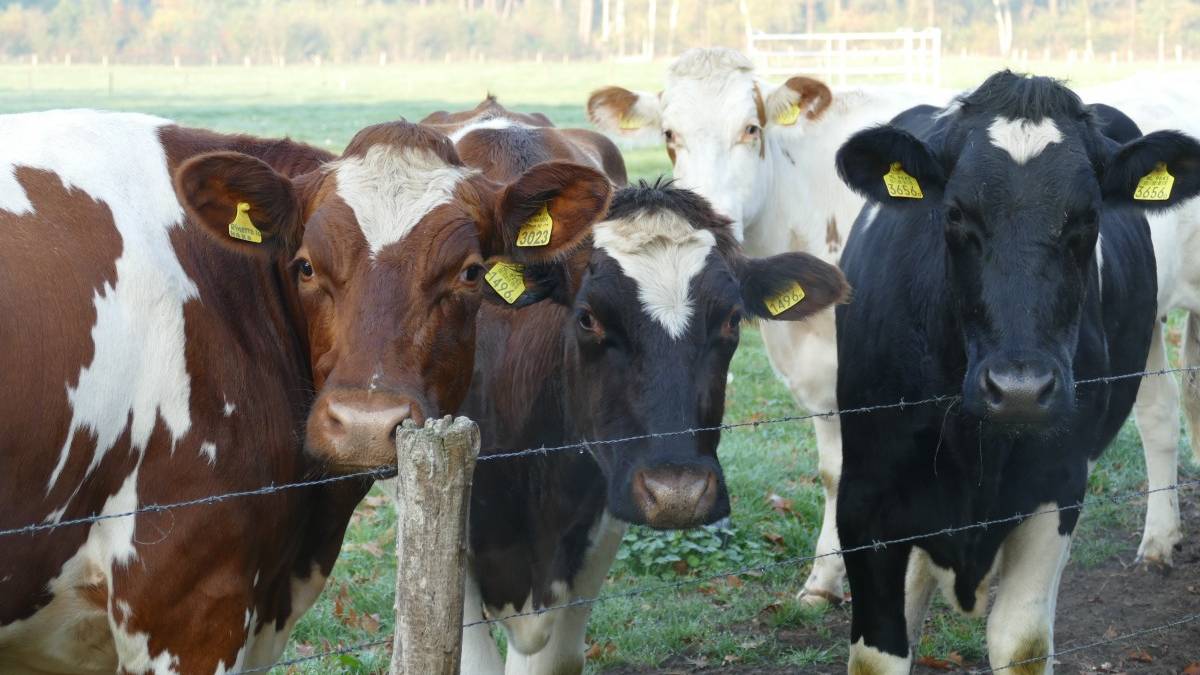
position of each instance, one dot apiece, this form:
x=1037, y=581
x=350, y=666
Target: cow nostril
x=1045, y=390
x=992, y=391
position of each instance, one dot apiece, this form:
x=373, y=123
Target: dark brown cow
x=636, y=340
x=159, y=359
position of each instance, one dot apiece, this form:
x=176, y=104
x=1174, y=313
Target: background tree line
x=288, y=31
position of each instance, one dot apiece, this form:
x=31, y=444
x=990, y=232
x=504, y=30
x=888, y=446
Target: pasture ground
x=747, y=623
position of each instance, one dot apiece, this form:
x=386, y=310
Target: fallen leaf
x=593, y=652
x=1140, y=655
x=680, y=567
x=781, y=505
x=936, y=664
x=733, y=582
x=305, y=649
x=731, y=658
x=955, y=658
x=707, y=589
x=375, y=501
x=1192, y=668
x=369, y=623
x=774, y=538
x=699, y=661
x=1110, y=634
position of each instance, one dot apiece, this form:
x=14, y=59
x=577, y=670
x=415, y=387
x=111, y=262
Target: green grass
x=720, y=622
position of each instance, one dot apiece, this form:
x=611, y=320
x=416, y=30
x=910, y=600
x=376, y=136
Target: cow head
x=657, y=306
x=1018, y=177
x=717, y=121
x=381, y=252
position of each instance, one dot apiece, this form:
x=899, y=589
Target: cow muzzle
x=676, y=497
x=353, y=431
x=1020, y=392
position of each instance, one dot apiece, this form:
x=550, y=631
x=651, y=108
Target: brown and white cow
x=636, y=340
x=150, y=357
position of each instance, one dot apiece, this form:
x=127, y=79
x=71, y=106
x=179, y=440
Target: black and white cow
x=636, y=340
x=1024, y=267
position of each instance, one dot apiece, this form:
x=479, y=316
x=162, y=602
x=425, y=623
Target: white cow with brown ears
x=763, y=155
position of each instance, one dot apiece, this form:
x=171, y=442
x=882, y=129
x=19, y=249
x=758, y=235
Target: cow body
x=1006, y=294
x=780, y=187
x=162, y=360
x=636, y=340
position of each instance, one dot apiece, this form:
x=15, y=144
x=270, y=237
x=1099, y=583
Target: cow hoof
x=816, y=597
x=1156, y=554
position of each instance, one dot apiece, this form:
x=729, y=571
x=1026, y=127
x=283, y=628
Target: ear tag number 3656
x=781, y=302
x=536, y=231
x=900, y=184
x=1156, y=185
x=508, y=280
x=242, y=227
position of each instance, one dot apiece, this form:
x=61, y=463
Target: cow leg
x=878, y=634
x=1157, y=414
x=1190, y=355
x=479, y=651
x=1021, y=626
x=804, y=356
x=919, y=584
x=564, y=652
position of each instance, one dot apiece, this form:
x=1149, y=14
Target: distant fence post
x=435, y=465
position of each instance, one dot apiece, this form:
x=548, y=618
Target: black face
x=628, y=376
x=1021, y=240
x=1020, y=175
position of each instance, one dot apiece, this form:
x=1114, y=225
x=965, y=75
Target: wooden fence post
x=435, y=465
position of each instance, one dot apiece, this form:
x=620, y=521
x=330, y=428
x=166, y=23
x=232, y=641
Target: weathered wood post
x=435, y=465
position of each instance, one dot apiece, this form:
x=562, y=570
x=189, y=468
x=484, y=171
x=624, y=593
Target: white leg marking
x=479, y=652
x=865, y=660
x=264, y=646
x=1157, y=414
x=919, y=584
x=1021, y=626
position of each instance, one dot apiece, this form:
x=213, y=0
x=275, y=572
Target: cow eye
x=668, y=135
x=471, y=273
x=587, y=320
x=753, y=129
x=306, y=268
x=733, y=322
x=954, y=215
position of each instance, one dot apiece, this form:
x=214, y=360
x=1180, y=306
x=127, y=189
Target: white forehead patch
x=661, y=252
x=391, y=189
x=489, y=123
x=1023, y=139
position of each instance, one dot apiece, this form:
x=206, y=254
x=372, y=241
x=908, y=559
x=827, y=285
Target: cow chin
x=670, y=496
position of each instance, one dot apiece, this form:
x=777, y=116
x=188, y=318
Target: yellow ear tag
x=508, y=280
x=786, y=300
x=788, y=117
x=242, y=227
x=536, y=231
x=1156, y=185
x=630, y=123
x=900, y=184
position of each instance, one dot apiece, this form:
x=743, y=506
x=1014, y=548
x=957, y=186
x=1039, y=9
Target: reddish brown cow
x=160, y=359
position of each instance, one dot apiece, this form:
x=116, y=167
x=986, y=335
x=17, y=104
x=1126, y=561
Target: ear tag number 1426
x=900, y=184
x=536, y=231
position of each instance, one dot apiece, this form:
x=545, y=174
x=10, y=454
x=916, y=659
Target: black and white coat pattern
x=1027, y=266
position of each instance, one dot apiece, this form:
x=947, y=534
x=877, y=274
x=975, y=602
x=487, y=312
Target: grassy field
x=771, y=470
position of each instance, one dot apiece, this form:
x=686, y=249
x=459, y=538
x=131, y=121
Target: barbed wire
x=361, y=646
x=380, y=471
x=875, y=545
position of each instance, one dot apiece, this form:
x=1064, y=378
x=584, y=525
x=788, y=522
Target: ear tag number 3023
x=781, y=302
x=242, y=227
x=1156, y=185
x=507, y=279
x=536, y=231
x=900, y=184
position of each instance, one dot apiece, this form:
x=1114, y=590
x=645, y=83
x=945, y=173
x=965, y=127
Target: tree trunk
x=1133, y=12
x=651, y=27
x=930, y=13
x=1004, y=26
x=435, y=465
x=744, y=10
x=620, y=28
x=585, y=21
x=810, y=16
x=1053, y=7
x=605, y=20
x=672, y=24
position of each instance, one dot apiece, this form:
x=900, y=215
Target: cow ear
x=790, y=286
x=800, y=98
x=547, y=211
x=891, y=166
x=1154, y=172
x=626, y=113
x=239, y=200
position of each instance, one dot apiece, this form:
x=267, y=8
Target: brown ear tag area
x=785, y=300
x=507, y=279
x=242, y=227
x=900, y=184
x=1156, y=185
x=536, y=231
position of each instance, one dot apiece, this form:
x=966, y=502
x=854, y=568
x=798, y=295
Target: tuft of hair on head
x=657, y=211
x=403, y=135
x=1014, y=95
x=704, y=62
